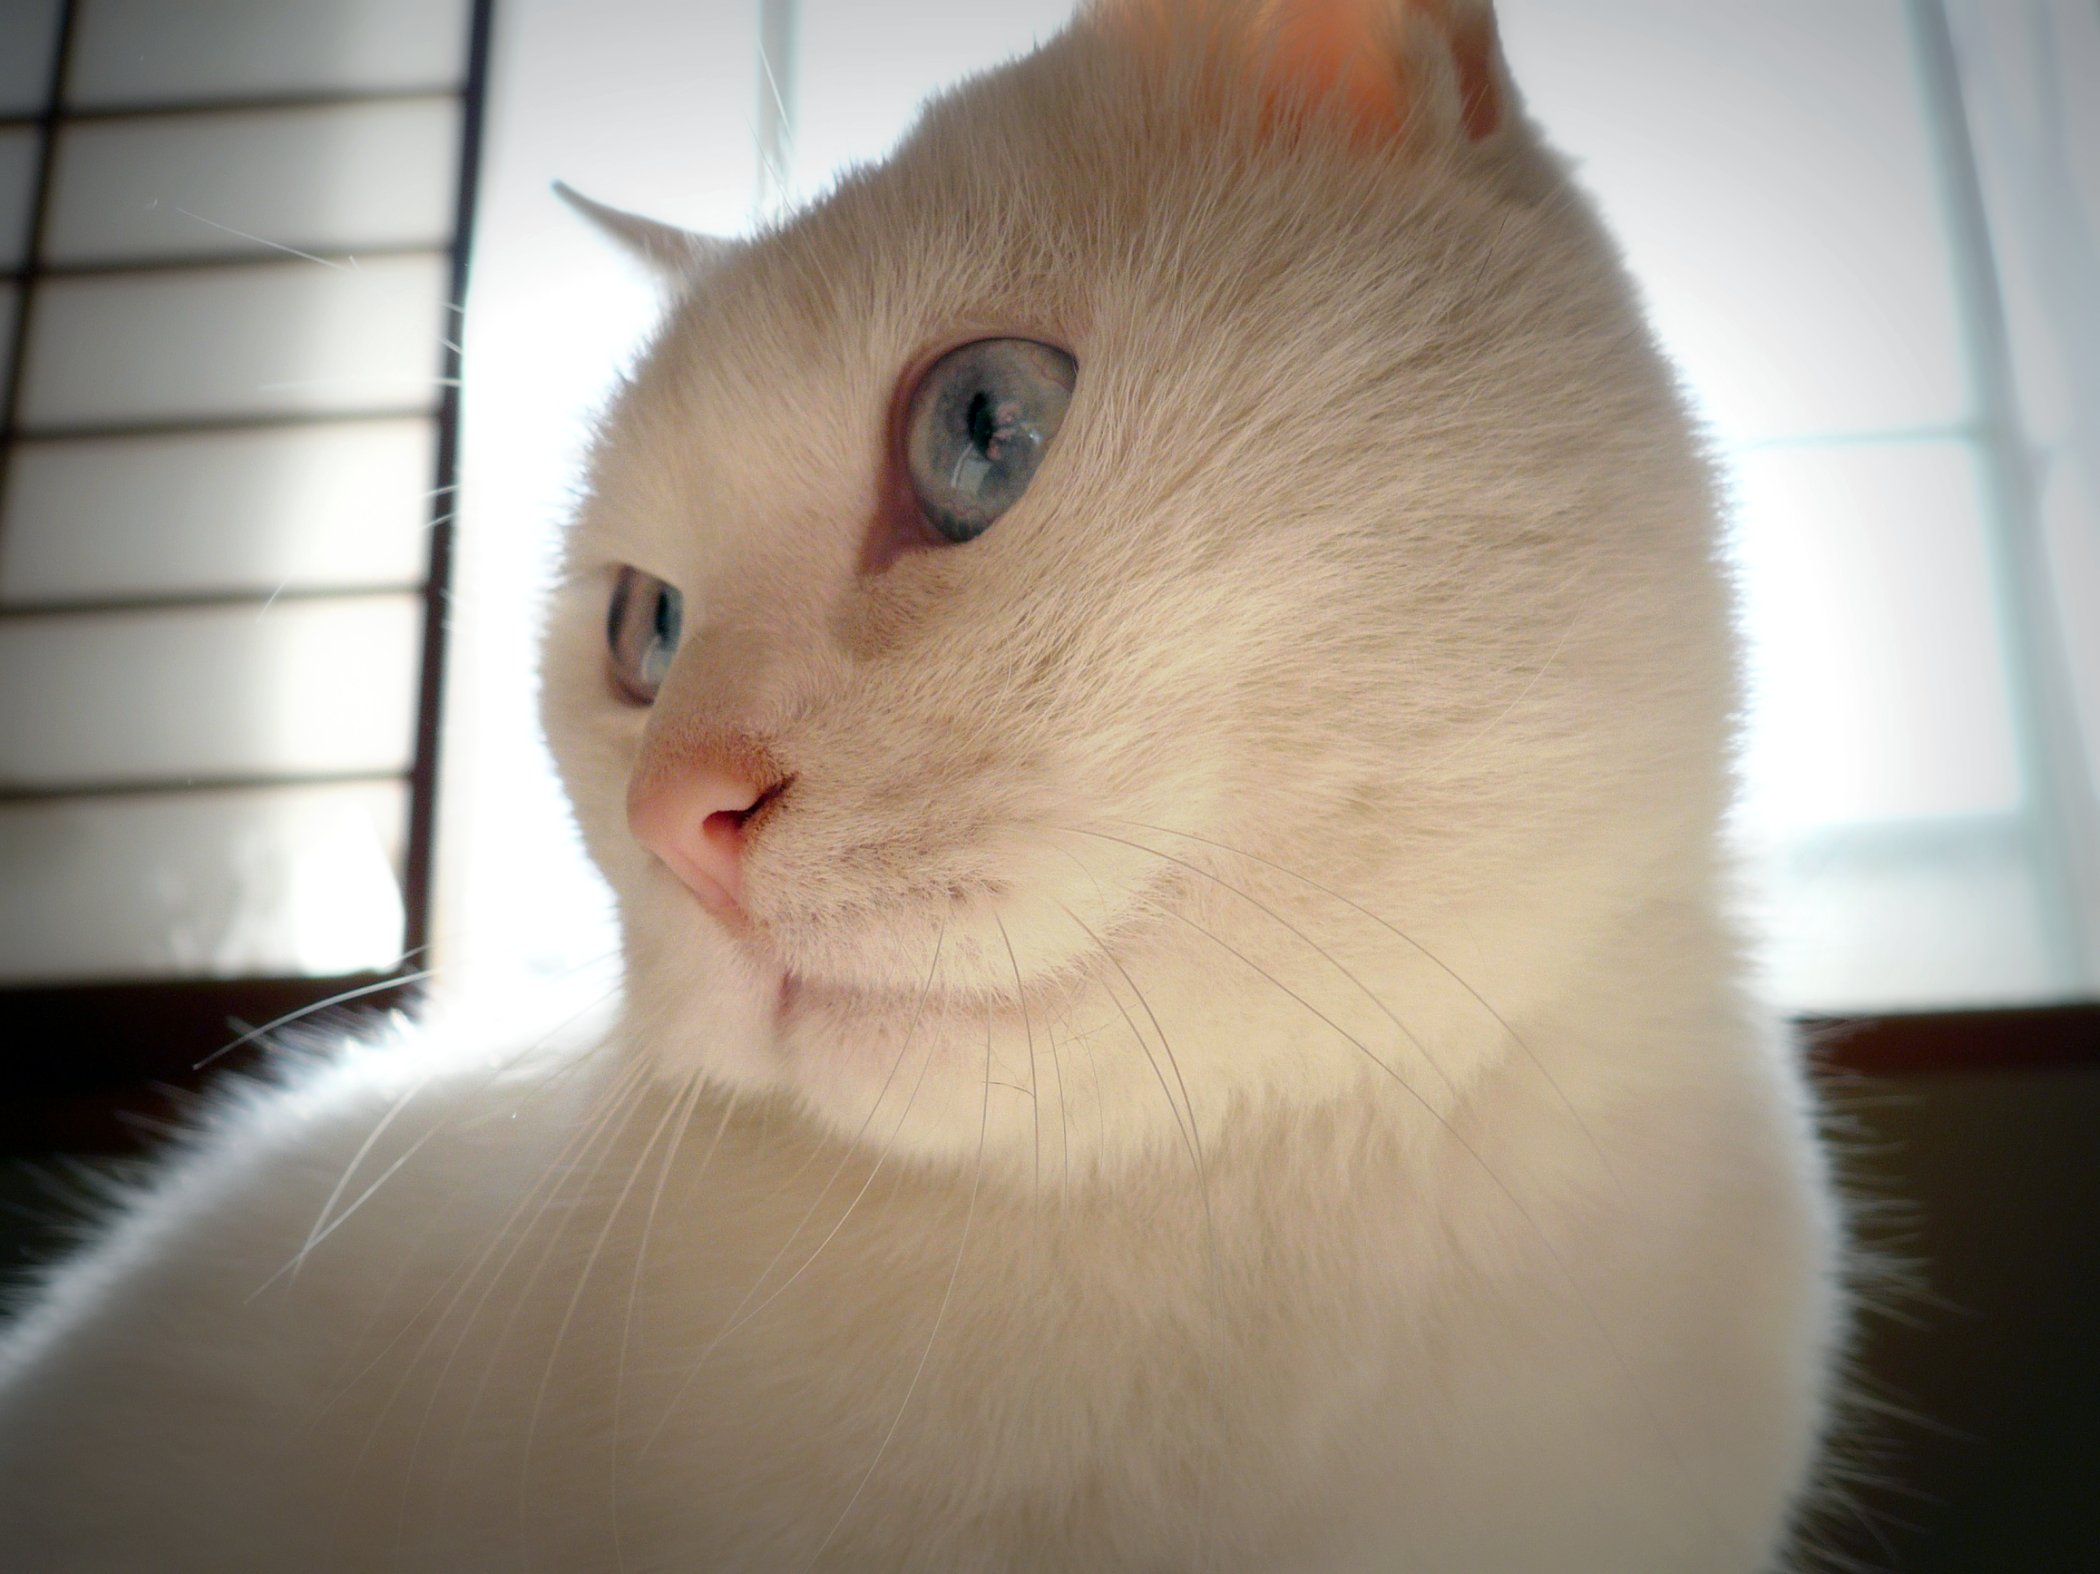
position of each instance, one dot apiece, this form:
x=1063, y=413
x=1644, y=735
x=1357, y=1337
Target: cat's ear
x=1394, y=70
x=675, y=255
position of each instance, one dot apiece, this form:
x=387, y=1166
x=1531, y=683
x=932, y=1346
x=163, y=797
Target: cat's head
x=1210, y=485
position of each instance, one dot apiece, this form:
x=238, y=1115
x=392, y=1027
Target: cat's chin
x=897, y=1069
x=720, y=1005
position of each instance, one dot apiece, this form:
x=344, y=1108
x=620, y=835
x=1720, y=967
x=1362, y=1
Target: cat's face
x=1367, y=543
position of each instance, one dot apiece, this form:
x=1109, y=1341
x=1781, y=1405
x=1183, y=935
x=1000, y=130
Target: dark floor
x=1993, y=1181
x=1996, y=1177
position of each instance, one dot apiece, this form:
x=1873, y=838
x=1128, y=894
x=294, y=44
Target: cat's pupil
x=982, y=431
x=993, y=423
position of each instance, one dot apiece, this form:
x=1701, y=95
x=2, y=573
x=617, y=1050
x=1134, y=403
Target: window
x=231, y=235
x=1833, y=250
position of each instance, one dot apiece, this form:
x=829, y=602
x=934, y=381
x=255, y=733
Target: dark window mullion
x=159, y=787
x=237, y=103
x=39, y=219
x=420, y=873
x=201, y=600
x=89, y=431
x=212, y=261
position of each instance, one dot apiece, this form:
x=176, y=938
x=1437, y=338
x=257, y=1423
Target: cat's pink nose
x=693, y=818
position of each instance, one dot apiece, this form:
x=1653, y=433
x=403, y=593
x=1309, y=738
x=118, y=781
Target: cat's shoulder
x=404, y=1120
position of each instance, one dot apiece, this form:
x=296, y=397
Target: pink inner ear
x=1343, y=51
x=1333, y=48
x=1343, y=47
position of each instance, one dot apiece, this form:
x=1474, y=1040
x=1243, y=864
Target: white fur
x=1123, y=1193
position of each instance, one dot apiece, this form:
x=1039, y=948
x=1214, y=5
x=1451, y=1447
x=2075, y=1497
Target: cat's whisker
x=1523, y=1046
x=780, y=108
x=1064, y=1126
x=325, y=1226
x=634, y=1281
x=866, y=1185
x=1216, y=1283
x=962, y=1245
x=621, y=1101
x=250, y=1034
x=303, y=1012
x=583, y=1276
x=364, y=1149
x=1369, y=1054
x=347, y=265
x=461, y=1280
x=1192, y=1135
x=344, y=1383
x=321, y=1233
x=1370, y=994
x=630, y=1077
x=609, y=1125
x=405, y=1261
x=1086, y=1040
x=340, y=384
x=775, y=151
x=1530, y=1220
x=738, y=1316
x=1034, y=1098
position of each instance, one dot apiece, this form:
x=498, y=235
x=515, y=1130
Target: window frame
x=92, y=1060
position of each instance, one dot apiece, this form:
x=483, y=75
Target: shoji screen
x=1836, y=211
x=232, y=234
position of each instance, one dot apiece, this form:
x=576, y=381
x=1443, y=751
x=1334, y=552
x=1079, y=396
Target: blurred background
x=299, y=361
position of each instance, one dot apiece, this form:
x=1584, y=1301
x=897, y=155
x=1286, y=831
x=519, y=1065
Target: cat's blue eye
x=641, y=632
x=979, y=424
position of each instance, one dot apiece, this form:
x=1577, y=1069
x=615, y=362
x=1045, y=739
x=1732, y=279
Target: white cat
x=1152, y=680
